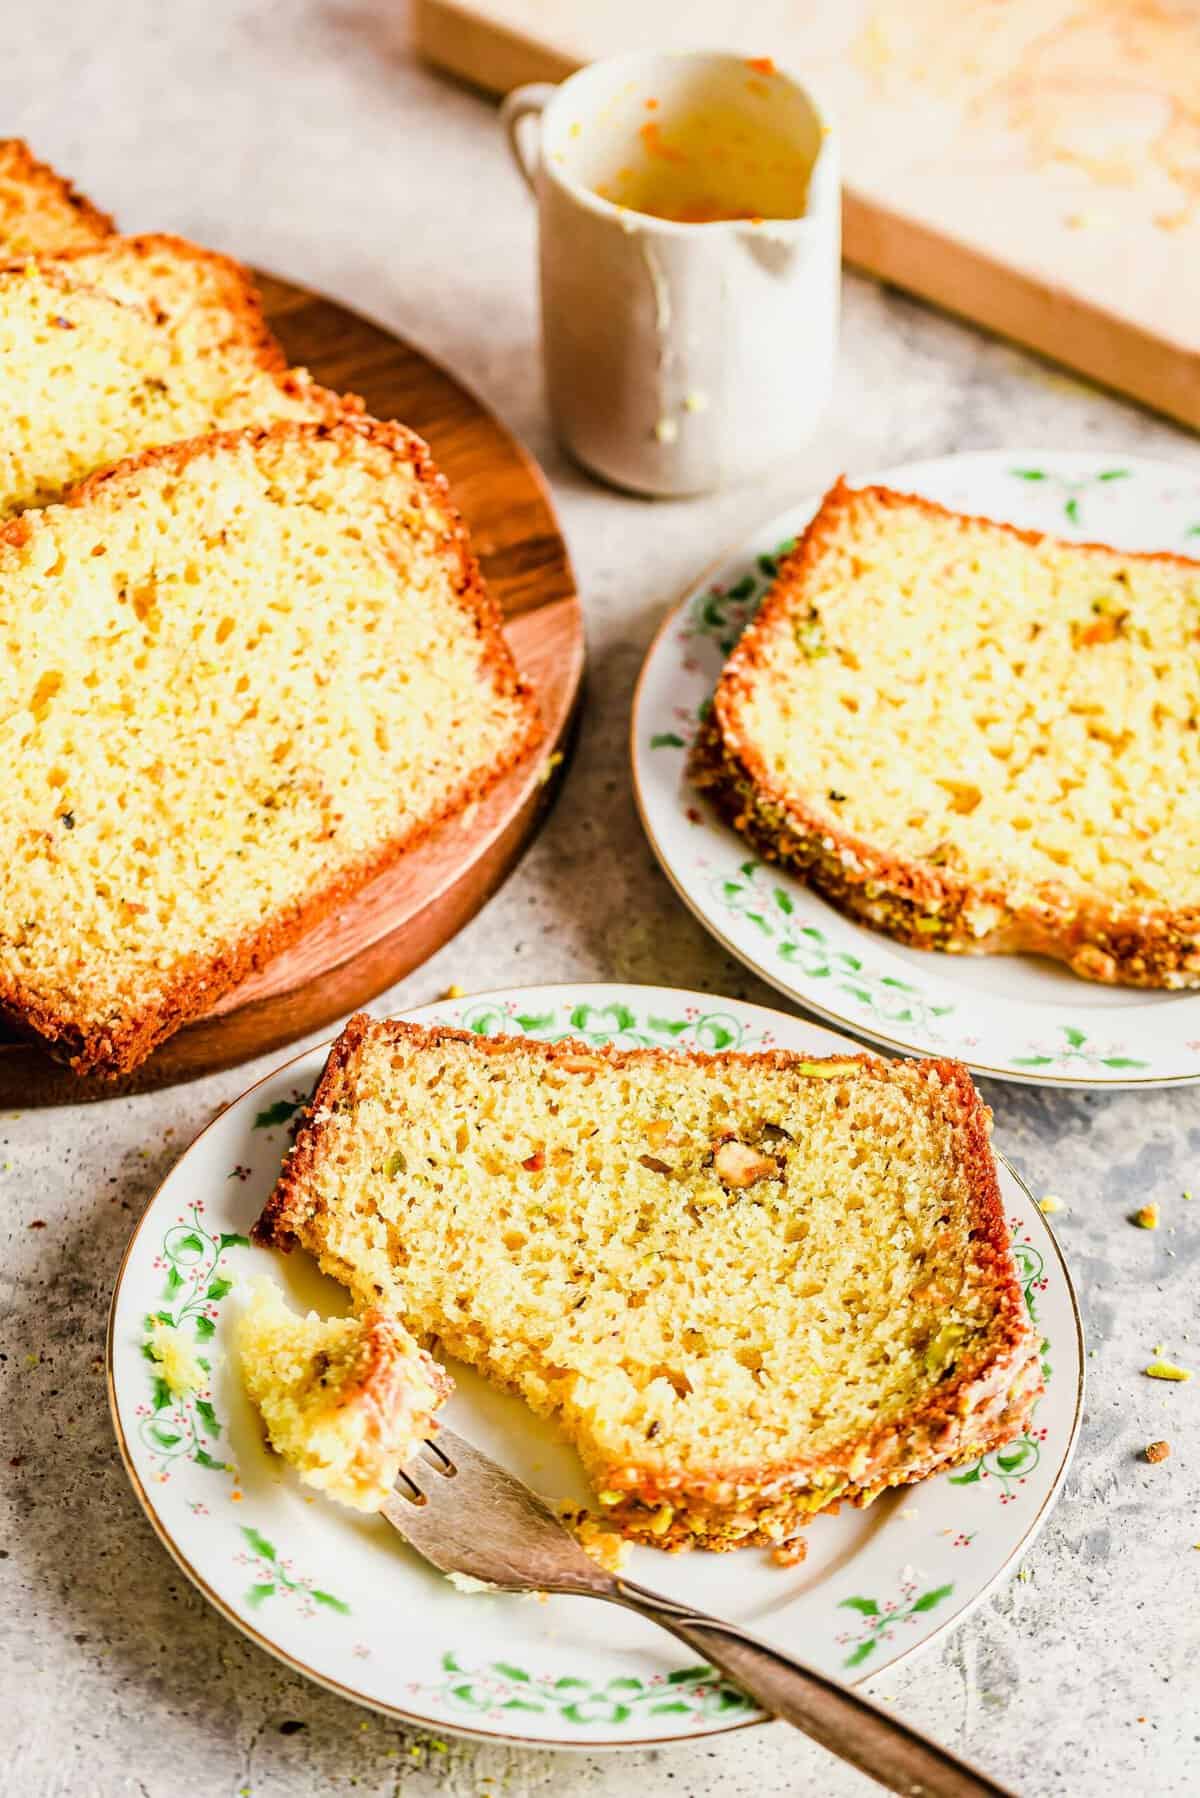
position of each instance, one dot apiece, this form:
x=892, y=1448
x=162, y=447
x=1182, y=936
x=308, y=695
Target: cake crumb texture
x=208, y=302
x=242, y=675
x=89, y=379
x=975, y=738
x=729, y=1355
x=345, y=1400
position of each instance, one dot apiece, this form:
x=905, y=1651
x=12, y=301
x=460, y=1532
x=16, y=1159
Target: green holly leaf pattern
x=329, y=1601
x=533, y=1021
x=208, y=1416
x=278, y=1113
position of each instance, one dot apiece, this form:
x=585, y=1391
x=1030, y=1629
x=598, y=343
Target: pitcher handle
x=523, y=103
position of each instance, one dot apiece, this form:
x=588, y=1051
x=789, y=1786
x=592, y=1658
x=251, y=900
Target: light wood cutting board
x=1032, y=164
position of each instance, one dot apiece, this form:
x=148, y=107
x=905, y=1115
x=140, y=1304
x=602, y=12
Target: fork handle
x=876, y=1743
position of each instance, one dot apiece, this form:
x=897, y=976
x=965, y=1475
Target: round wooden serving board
x=409, y=911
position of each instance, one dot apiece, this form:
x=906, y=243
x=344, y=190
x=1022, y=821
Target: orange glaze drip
x=656, y=145
x=702, y=212
x=762, y=65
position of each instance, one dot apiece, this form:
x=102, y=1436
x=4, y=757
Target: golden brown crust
x=230, y=284
x=198, y=982
x=984, y=1404
x=779, y=1517
x=383, y=1377
x=20, y=166
x=924, y=905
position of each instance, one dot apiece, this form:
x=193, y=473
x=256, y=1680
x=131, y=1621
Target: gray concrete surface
x=304, y=137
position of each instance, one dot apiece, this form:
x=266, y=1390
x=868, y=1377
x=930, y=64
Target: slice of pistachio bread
x=88, y=380
x=39, y=209
x=747, y=1286
x=974, y=738
x=208, y=302
x=345, y=1400
x=242, y=675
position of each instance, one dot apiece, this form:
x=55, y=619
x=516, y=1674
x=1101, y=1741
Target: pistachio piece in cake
x=345, y=1400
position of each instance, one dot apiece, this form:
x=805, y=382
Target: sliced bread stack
x=242, y=675
x=245, y=668
x=89, y=379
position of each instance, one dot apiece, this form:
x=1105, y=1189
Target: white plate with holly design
x=342, y=1599
x=1018, y=1017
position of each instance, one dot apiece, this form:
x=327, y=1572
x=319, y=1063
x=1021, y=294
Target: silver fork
x=469, y=1515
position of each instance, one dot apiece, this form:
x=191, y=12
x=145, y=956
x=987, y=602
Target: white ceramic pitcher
x=680, y=355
